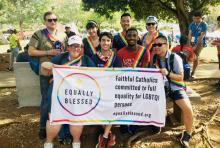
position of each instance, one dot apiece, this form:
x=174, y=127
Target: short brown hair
x=47, y=13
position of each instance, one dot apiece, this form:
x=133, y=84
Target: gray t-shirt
x=177, y=68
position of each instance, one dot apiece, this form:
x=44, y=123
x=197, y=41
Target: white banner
x=88, y=96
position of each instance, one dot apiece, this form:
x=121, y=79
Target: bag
x=186, y=66
x=34, y=63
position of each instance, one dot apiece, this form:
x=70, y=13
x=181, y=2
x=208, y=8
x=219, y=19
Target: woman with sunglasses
x=149, y=38
x=73, y=57
x=106, y=58
x=91, y=42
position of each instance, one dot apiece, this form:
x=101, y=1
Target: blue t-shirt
x=118, y=43
x=197, y=29
x=116, y=62
x=64, y=58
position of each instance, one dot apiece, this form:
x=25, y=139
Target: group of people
x=125, y=49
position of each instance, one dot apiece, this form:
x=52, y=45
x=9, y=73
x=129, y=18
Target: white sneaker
x=76, y=145
x=48, y=145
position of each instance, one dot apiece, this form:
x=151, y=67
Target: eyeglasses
x=50, y=20
x=74, y=48
x=158, y=44
x=149, y=24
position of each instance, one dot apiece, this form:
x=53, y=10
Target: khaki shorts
x=198, y=50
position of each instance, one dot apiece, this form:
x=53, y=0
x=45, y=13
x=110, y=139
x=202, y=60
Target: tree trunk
x=183, y=24
x=21, y=34
x=182, y=16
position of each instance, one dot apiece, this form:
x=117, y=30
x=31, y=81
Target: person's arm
x=189, y=38
x=202, y=35
x=32, y=51
x=177, y=72
x=46, y=68
x=199, y=42
x=216, y=43
x=171, y=75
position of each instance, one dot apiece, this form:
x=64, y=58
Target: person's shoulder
x=116, y=36
x=191, y=25
x=176, y=57
x=38, y=33
x=62, y=55
x=85, y=39
x=176, y=48
x=88, y=61
x=122, y=50
x=203, y=22
x=160, y=33
x=205, y=25
x=186, y=47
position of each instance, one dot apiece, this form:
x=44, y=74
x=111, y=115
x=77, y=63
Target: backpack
x=186, y=66
x=171, y=62
x=34, y=64
x=34, y=61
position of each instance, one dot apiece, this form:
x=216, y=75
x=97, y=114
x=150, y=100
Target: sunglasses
x=149, y=24
x=158, y=44
x=50, y=20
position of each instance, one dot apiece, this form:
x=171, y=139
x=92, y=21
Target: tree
x=20, y=11
x=177, y=10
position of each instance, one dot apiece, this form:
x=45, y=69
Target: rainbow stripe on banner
x=107, y=121
x=140, y=54
x=123, y=38
x=111, y=60
x=91, y=45
x=110, y=69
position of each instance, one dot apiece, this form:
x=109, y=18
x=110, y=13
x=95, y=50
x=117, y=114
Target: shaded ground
x=18, y=126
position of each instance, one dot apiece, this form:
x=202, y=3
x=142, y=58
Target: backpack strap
x=171, y=63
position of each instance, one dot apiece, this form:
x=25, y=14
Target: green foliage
x=170, y=10
x=164, y=9
x=18, y=12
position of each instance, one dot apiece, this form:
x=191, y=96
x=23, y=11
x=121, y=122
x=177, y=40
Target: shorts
x=178, y=94
x=198, y=50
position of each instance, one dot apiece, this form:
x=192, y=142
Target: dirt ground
x=19, y=126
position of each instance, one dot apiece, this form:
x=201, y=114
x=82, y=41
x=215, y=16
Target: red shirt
x=128, y=58
x=218, y=47
x=188, y=51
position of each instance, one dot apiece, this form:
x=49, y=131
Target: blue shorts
x=178, y=94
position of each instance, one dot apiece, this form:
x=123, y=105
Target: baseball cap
x=67, y=26
x=151, y=19
x=75, y=39
x=11, y=28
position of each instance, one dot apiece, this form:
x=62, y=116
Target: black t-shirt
x=116, y=62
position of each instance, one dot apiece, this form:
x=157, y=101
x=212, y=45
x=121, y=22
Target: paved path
x=7, y=79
